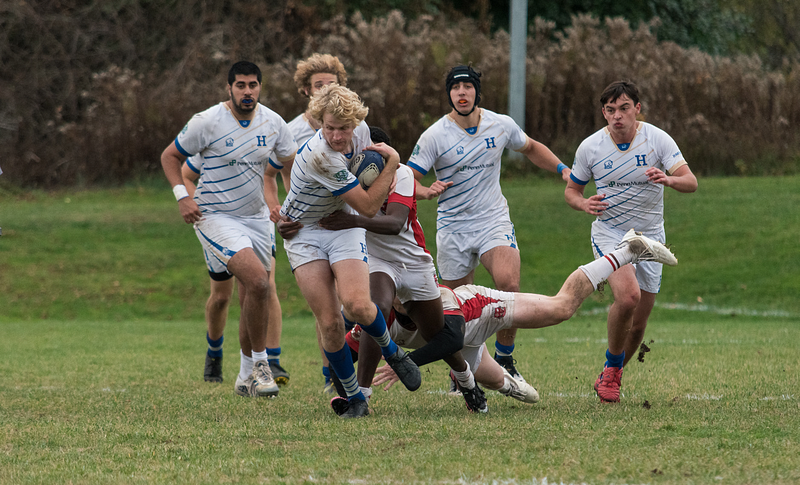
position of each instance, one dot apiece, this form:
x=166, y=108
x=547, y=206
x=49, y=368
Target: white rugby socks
x=601, y=268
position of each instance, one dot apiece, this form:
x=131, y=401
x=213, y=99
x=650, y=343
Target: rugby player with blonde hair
x=332, y=267
x=313, y=74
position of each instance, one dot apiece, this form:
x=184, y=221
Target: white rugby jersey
x=472, y=163
x=301, y=129
x=410, y=243
x=320, y=175
x=634, y=203
x=231, y=158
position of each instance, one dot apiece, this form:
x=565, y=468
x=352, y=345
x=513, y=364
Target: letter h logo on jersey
x=490, y=143
x=262, y=140
x=640, y=160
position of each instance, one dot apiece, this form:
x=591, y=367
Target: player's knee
x=259, y=288
x=452, y=333
x=360, y=310
x=218, y=302
x=628, y=300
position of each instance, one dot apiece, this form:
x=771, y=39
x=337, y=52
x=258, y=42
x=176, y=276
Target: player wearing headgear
x=473, y=225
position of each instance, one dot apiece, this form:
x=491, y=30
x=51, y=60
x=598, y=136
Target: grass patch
x=102, y=298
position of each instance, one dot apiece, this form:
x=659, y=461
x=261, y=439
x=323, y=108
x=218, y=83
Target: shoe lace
x=262, y=373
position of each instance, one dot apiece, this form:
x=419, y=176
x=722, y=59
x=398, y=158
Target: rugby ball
x=367, y=166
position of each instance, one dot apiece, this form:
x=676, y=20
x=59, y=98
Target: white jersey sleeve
x=301, y=129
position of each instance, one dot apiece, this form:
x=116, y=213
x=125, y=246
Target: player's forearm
x=685, y=183
x=172, y=168
x=541, y=156
x=574, y=199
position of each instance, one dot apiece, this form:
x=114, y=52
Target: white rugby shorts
x=458, y=253
x=473, y=355
x=313, y=243
x=413, y=281
x=488, y=311
x=223, y=235
x=648, y=273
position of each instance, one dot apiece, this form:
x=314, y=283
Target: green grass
x=101, y=311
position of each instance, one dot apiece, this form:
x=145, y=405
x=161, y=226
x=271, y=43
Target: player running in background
x=400, y=266
x=236, y=140
x=331, y=267
x=631, y=162
x=312, y=74
x=487, y=311
x=221, y=286
x=473, y=225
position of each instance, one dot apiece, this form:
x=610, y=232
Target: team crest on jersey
x=229, y=142
x=416, y=150
x=460, y=150
x=341, y=176
x=499, y=312
x=608, y=165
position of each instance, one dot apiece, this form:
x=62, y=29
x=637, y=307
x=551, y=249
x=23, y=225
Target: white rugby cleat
x=520, y=390
x=647, y=249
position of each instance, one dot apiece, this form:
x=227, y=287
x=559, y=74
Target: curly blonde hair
x=318, y=63
x=339, y=101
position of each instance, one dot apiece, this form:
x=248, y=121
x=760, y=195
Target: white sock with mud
x=601, y=268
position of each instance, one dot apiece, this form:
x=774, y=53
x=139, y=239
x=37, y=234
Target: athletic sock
x=614, y=360
x=366, y=391
x=245, y=366
x=274, y=355
x=501, y=350
x=326, y=373
x=342, y=364
x=466, y=379
x=257, y=356
x=214, y=346
x=378, y=331
x=601, y=268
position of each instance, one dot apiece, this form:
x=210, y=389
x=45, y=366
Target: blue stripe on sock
x=342, y=363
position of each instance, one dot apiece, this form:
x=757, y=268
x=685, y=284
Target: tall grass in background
x=108, y=120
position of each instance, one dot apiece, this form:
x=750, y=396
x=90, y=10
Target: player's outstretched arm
x=391, y=223
x=544, y=158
